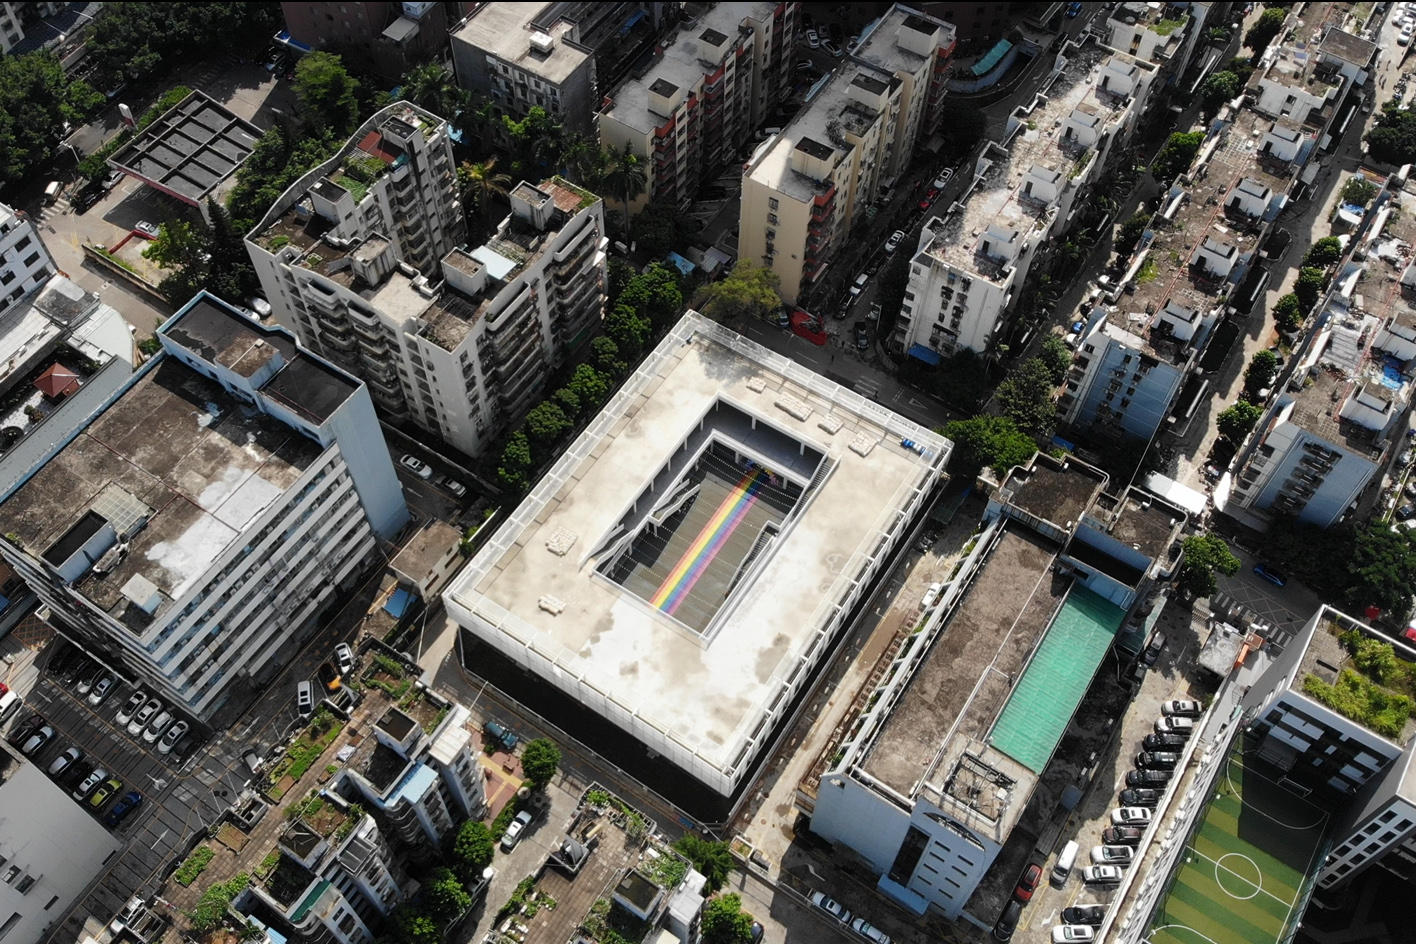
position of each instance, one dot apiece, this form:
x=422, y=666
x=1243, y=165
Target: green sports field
x=1242, y=873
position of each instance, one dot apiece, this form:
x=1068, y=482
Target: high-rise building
x=25, y=262
x=455, y=341
x=804, y=190
x=508, y=53
x=696, y=106
x=193, y=529
x=385, y=38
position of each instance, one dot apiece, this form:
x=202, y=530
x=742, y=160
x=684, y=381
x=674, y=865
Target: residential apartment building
x=802, y=193
x=196, y=525
x=692, y=111
x=510, y=54
x=385, y=38
x=973, y=260
x=423, y=784
x=25, y=262
x=1341, y=415
x=927, y=777
x=1163, y=34
x=458, y=343
x=15, y=18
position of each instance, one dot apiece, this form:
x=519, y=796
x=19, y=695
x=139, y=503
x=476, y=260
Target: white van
x=9, y=702
x=1065, y=861
x=51, y=193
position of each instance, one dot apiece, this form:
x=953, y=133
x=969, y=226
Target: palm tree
x=479, y=183
x=626, y=176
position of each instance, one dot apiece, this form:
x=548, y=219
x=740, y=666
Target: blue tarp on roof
x=680, y=263
x=925, y=354
x=986, y=64
x=398, y=603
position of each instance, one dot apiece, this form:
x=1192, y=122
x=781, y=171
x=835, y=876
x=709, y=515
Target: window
x=31, y=259
x=773, y=203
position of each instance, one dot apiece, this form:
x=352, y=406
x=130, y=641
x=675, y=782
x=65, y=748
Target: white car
x=812, y=39
x=858, y=285
x=931, y=595
x=259, y=305
x=149, y=230
x=158, y=727
x=1172, y=724
x=513, y=832
x=417, y=466
x=831, y=906
x=87, y=784
x=1404, y=37
x=344, y=658
x=869, y=931
x=1112, y=855
x=1182, y=708
x=1102, y=875
x=943, y=179
x=173, y=735
x=144, y=715
x=893, y=243
x=1131, y=816
x=1070, y=933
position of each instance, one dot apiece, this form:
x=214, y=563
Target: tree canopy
x=1392, y=139
x=1219, y=88
x=1205, y=556
x=1055, y=353
x=1129, y=233
x=993, y=442
x=1265, y=29
x=1309, y=287
x=326, y=92
x=1026, y=397
x=1288, y=313
x=540, y=760
x=472, y=850
x=133, y=40
x=1323, y=253
x=1358, y=191
x=962, y=125
x=748, y=291
x=1383, y=570
x=1178, y=154
x=1234, y=423
x=36, y=98
x=658, y=228
x=724, y=921
x=444, y=896
x=1260, y=374
x=712, y=859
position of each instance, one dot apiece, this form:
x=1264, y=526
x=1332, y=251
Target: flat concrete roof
x=505, y=29
x=535, y=584
x=191, y=149
x=1055, y=491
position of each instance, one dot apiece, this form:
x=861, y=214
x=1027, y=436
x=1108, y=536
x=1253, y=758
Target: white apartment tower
x=25, y=262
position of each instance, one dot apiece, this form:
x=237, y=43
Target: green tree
x=229, y=270
x=1234, y=423
x=1383, y=570
x=607, y=357
x=1323, y=253
x=544, y=425
x=412, y=925
x=628, y=331
x=589, y=385
x=536, y=142
x=724, y=921
x=654, y=294
x=658, y=228
x=180, y=249
x=1026, y=397
x=1205, y=555
x=1358, y=191
x=748, y=291
x=515, y=462
x=444, y=896
x=1129, y=233
x=472, y=850
x=134, y=40
x=1265, y=29
x=962, y=125
x=479, y=185
x=712, y=859
x=36, y=98
x=568, y=401
x=625, y=175
x=432, y=87
x=1219, y=88
x=1260, y=374
x=994, y=442
x=1055, y=353
x=962, y=380
x=890, y=290
x=1288, y=313
x=540, y=760
x=326, y=92
x=1309, y=287
x=1392, y=139
x=1178, y=154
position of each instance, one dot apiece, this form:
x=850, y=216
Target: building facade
x=187, y=548
x=25, y=262
x=508, y=53
x=459, y=343
x=804, y=191
x=692, y=111
x=387, y=39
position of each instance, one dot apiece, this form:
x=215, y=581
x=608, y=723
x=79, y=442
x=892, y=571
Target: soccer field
x=1244, y=868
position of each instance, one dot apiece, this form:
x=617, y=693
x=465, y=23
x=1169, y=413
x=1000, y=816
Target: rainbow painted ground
x=686, y=566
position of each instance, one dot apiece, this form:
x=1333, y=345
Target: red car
x=1027, y=883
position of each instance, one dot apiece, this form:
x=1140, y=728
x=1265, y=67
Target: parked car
x=64, y=760
x=513, y=832
x=1173, y=725
x=173, y=735
x=1162, y=742
x=150, y=230
x=1157, y=760
x=259, y=305
x=130, y=707
x=1147, y=778
x=417, y=466
x=125, y=806
x=10, y=702
x=158, y=727
x=1121, y=836
x=1028, y=882
x=1073, y=934
x=1104, y=875
x=1112, y=855
x=813, y=39
x=1131, y=816
x=105, y=792
x=457, y=489
x=942, y=181
x=85, y=199
x=1153, y=649
x=893, y=243
x=113, y=179
x=832, y=50
x=89, y=783
x=1084, y=914
x=862, y=336
x=328, y=677
x=869, y=931
x=144, y=715
x=25, y=728
x=305, y=697
x=102, y=689
x=874, y=314
x=1182, y=708
x=1140, y=796
x=858, y=285
x=88, y=681
x=497, y=733
x=1266, y=572
x=36, y=741
x=344, y=658
x=832, y=907
x=1007, y=921
x=931, y=595
x=806, y=65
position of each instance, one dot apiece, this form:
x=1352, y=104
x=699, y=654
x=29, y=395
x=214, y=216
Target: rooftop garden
x=324, y=817
x=287, y=881
x=1166, y=27
x=324, y=727
x=586, y=197
x=1375, y=688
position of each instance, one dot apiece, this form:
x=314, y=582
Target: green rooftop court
x=1046, y=697
x=1242, y=877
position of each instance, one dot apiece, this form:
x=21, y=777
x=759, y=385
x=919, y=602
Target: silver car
x=89, y=783
x=158, y=727
x=173, y=735
x=144, y=715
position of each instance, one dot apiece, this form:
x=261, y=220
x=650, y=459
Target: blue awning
x=629, y=23
x=398, y=603
x=285, y=39
x=984, y=65
x=680, y=263
x=923, y=353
